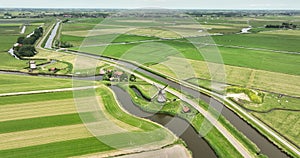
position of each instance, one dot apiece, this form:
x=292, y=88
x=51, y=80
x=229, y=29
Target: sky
x=168, y=4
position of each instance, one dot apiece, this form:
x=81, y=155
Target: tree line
x=283, y=26
x=25, y=47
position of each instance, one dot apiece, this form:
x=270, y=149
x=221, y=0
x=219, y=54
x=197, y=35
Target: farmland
x=267, y=39
x=235, y=75
x=51, y=121
x=269, y=61
x=265, y=60
x=17, y=83
x=283, y=121
x=279, y=112
x=175, y=107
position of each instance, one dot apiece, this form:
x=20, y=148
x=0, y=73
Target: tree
x=30, y=40
x=26, y=51
x=124, y=77
x=132, y=78
x=38, y=32
x=105, y=77
x=109, y=74
x=20, y=40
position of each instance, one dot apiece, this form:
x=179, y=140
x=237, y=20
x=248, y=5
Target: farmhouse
x=102, y=72
x=186, y=109
x=32, y=65
x=117, y=74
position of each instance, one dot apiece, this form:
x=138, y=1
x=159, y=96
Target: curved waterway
x=52, y=36
x=266, y=147
x=198, y=146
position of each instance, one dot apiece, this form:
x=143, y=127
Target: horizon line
x=275, y=9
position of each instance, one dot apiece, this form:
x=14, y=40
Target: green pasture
x=275, y=101
x=174, y=107
x=147, y=132
x=255, y=59
x=284, y=121
x=265, y=40
x=244, y=77
x=67, y=148
x=269, y=61
x=20, y=83
x=78, y=41
x=10, y=31
x=8, y=62
x=40, y=122
x=78, y=24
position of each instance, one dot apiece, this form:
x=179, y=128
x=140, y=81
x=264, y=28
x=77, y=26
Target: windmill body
x=161, y=95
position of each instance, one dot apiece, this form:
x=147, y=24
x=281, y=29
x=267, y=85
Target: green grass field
x=285, y=122
x=9, y=32
x=49, y=121
x=18, y=83
x=279, y=112
x=273, y=102
x=269, y=61
x=77, y=24
x=283, y=42
x=245, y=77
x=218, y=142
x=78, y=41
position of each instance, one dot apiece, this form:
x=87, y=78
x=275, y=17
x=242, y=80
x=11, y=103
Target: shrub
x=253, y=96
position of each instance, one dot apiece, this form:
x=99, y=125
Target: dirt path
x=48, y=91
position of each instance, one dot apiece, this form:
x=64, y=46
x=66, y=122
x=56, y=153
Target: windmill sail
x=161, y=94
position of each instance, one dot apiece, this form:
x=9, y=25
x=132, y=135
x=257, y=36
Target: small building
x=118, y=73
x=53, y=69
x=32, y=65
x=186, y=109
x=102, y=72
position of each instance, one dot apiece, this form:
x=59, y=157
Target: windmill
x=160, y=94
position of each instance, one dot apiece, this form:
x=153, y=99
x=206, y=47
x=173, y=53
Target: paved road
x=250, y=117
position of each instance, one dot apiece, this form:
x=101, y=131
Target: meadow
x=269, y=61
x=174, y=107
x=284, y=40
x=279, y=112
x=49, y=121
x=10, y=30
x=259, y=60
x=244, y=77
x=257, y=66
x=273, y=102
x=284, y=121
x=20, y=83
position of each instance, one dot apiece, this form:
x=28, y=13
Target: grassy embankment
x=174, y=107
